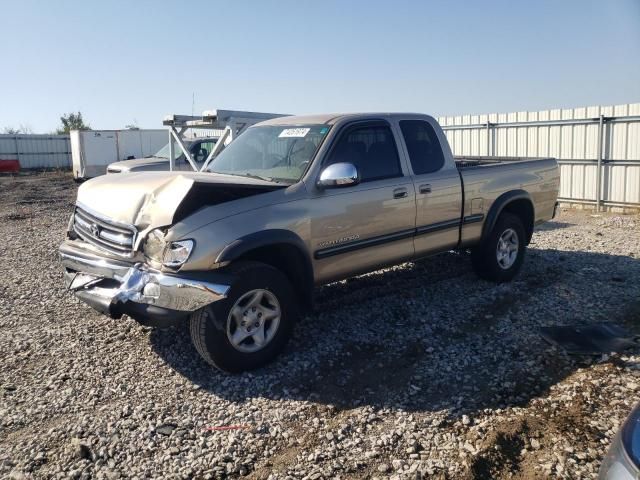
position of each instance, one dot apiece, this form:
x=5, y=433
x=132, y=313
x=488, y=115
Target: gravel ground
x=421, y=370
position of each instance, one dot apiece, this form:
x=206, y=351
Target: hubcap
x=507, y=249
x=253, y=320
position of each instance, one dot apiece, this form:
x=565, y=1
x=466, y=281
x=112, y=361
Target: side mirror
x=339, y=175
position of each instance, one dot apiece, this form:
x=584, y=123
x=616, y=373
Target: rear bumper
x=115, y=287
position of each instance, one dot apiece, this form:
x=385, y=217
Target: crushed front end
x=103, y=269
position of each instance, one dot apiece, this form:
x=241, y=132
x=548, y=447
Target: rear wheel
x=252, y=325
x=499, y=257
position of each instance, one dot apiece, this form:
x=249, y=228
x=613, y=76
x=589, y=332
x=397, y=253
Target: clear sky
x=120, y=62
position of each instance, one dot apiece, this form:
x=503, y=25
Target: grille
x=117, y=238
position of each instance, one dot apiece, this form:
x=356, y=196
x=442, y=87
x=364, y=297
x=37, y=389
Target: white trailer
x=93, y=150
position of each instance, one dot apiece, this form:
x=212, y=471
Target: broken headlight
x=170, y=254
x=177, y=253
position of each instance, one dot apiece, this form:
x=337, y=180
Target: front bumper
x=116, y=287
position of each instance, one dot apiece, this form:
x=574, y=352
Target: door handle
x=425, y=188
x=400, y=193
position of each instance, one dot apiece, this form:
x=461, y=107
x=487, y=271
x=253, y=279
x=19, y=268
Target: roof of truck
x=326, y=118
x=330, y=118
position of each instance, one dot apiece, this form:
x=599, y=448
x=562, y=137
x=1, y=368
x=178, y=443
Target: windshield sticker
x=294, y=132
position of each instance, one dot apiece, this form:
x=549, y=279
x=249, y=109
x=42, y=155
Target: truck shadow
x=429, y=335
x=548, y=226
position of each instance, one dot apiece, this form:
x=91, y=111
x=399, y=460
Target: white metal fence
x=37, y=151
x=598, y=148
x=49, y=151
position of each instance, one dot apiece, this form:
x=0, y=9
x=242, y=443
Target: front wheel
x=252, y=325
x=499, y=257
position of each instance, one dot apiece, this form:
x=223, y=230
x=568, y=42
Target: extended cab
x=293, y=203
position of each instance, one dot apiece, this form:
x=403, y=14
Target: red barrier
x=9, y=166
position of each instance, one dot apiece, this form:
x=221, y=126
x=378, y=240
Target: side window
x=371, y=149
x=204, y=150
x=422, y=143
x=208, y=146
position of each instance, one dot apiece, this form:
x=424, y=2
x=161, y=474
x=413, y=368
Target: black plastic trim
x=390, y=237
x=100, y=304
x=499, y=204
x=270, y=237
x=478, y=217
x=273, y=237
x=151, y=315
x=435, y=227
x=259, y=239
x=358, y=244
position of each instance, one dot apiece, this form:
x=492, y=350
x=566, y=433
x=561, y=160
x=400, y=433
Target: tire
x=214, y=327
x=490, y=259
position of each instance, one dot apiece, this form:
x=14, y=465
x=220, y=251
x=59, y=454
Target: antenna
x=193, y=103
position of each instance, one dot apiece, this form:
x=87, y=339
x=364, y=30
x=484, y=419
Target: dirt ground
x=416, y=371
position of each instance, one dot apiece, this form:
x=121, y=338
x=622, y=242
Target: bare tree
x=23, y=128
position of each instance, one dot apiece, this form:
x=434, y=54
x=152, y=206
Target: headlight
x=177, y=253
x=622, y=462
x=170, y=254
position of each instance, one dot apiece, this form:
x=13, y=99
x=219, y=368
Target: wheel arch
x=516, y=202
x=282, y=249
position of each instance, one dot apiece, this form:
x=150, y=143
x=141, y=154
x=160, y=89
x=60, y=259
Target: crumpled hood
x=151, y=199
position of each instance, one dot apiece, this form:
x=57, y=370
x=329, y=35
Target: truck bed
x=464, y=162
x=485, y=179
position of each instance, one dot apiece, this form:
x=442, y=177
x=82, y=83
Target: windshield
x=164, y=151
x=277, y=153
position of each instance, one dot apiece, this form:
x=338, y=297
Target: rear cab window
x=425, y=152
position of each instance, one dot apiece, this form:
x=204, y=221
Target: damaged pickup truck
x=293, y=203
